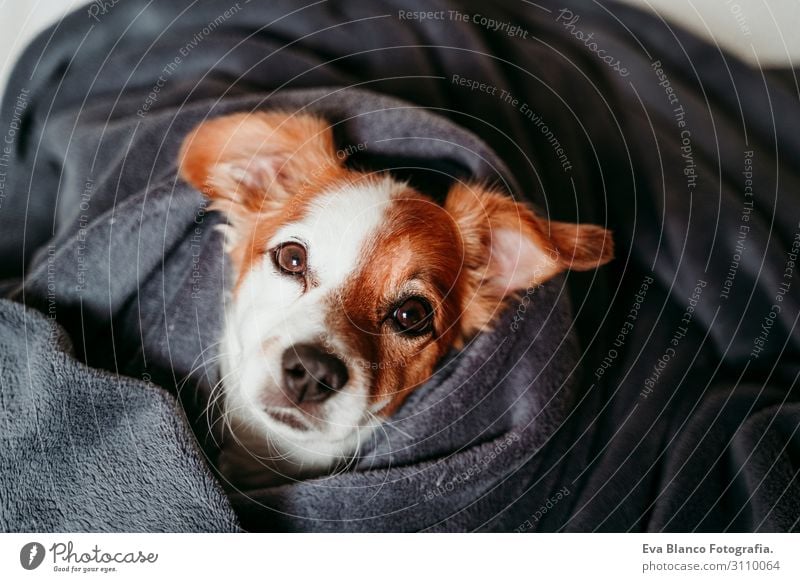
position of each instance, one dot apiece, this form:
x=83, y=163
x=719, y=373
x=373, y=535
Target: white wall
x=765, y=32
x=20, y=21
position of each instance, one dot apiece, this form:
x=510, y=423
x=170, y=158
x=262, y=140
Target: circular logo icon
x=31, y=555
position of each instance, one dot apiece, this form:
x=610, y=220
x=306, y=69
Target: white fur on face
x=272, y=312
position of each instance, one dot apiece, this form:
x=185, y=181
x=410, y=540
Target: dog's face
x=351, y=286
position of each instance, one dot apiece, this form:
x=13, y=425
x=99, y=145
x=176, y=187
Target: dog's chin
x=290, y=419
x=297, y=434
x=274, y=444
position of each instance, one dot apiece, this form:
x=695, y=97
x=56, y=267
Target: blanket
x=87, y=450
x=658, y=393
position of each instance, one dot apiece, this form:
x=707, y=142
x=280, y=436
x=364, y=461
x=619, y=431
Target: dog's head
x=350, y=286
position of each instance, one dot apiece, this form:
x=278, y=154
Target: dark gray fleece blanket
x=644, y=396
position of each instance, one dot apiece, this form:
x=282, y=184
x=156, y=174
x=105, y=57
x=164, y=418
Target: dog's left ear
x=508, y=248
x=254, y=162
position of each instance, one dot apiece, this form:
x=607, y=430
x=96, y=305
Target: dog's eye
x=291, y=258
x=413, y=316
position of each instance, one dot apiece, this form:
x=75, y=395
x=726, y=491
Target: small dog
x=349, y=286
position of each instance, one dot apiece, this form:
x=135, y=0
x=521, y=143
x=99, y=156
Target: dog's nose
x=310, y=374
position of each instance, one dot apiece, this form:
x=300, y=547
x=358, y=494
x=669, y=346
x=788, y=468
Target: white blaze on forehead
x=339, y=226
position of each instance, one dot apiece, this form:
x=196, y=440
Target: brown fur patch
x=417, y=252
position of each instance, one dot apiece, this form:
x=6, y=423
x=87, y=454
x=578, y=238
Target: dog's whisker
x=389, y=466
x=195, y=366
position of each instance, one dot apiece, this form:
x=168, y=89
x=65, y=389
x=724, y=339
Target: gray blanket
x=556, y=419
x=87, y=450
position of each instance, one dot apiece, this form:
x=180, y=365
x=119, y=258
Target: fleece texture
x=88, y=450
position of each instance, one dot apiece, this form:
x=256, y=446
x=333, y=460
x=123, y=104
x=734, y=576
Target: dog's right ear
x=254, y=162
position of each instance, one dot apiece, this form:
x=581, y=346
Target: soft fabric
x=657, y=393
x=87, y=450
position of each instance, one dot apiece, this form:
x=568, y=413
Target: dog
x=349, y=286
